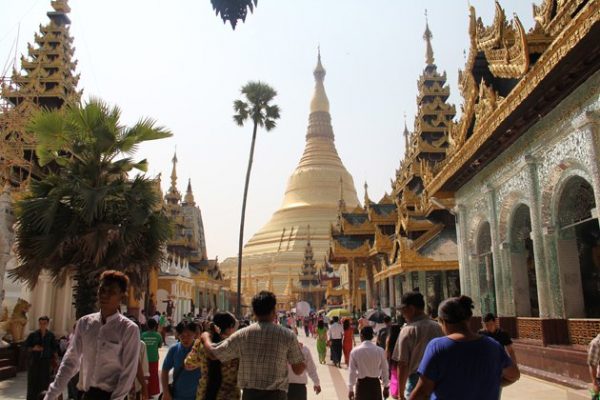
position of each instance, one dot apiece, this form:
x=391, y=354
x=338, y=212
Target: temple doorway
x=522, y=262
x=485, y=261
x=579, y=249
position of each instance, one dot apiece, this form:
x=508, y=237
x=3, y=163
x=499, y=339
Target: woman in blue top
x=462, y=365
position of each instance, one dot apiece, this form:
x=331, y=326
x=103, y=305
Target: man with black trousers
x=43, y=356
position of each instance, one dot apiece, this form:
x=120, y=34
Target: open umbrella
x=338, y=312
x=376, y=316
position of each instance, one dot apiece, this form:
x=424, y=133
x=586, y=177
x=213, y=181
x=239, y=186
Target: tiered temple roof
x=46, y=79
x=512, y=78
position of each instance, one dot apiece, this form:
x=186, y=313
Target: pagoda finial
x=341, y=201
x=174, y=171
x=189, y=195
x=406, y=134
x=367, y=200
x=61, y=6
x=429, y=60
x=319, y=101
x=308, y=235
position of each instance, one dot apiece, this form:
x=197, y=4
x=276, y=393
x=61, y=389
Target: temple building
x=523, y=167
x=46, y=79
x=274, y=254
x=405, y=241
x=187, y=281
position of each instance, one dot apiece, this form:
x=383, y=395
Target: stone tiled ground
x=333, y=383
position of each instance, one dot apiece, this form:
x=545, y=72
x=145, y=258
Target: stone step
x=6, y=362
x=8, y=372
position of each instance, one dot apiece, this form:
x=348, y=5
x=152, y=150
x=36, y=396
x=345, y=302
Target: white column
x=503, y=292
x=543, y=276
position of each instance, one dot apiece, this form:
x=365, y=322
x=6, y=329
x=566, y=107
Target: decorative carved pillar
x=473, y=260
x=464, y=266
x=503, y=295
x=392, y=292
x=589, y=124
x=542, y=263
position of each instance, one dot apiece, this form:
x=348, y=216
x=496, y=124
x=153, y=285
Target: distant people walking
x=43, y=358
x=297, y=383
x=153, y=341
x=413, y=339
x=389, y=350
x=336, y=333
x=264, y=350
x=105, y=347
x=162, y=326
x=218, y=380
x=185, y=382
x=348, y=341
x=463, y=365
x=594, y=364
x=321, y=341
x=491, y=329
x=367, y=366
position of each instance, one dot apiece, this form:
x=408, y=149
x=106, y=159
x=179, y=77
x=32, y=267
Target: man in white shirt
x=368, y=365
x=105, y=348
x=297, y=383
x=335, y=333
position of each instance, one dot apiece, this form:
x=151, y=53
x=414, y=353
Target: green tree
x=86, y=214
x=256, y=107
x=233, y=10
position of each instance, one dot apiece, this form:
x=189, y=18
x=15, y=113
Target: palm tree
x=233, y=10
x=86, y=215
x=257, y=108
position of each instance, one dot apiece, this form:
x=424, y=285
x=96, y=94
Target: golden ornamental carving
x=577, y=28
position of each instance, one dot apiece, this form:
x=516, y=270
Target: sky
x=176, y=62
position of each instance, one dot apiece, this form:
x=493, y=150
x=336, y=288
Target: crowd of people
x=112, y=357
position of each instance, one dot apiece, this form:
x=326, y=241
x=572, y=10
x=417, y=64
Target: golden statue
x=15, y=325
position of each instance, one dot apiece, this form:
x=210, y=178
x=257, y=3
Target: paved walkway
x=334, y=384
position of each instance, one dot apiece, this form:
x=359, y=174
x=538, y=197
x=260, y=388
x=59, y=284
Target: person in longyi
x=368, y=365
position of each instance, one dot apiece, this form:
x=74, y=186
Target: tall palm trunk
x=242, y=221
x=85, y=293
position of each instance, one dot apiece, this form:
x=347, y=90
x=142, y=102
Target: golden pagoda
x=311, y=198
x=46, y=80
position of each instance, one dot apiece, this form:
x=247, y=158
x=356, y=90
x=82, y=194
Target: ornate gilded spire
x=429, y=60
x=406, y=134
x=319, y=101
x=174, y=171
x=173, y=195
x=341, y=201
x=189, y=195
x=367, y=199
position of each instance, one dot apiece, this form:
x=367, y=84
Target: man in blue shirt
x=185, y=382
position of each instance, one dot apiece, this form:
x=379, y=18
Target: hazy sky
x=175, y=61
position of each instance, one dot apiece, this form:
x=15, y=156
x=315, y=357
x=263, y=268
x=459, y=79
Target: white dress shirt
x=311, y=370
x=367, y=360
x=335, y=331
x=106, y=356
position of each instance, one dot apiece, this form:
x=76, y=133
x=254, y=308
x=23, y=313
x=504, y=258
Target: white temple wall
x=533, y=171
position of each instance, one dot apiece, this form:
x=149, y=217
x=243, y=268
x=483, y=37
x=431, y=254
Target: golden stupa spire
x=367, y=200
x=406, y=134
x=319, y=101
x=189, y=195
x=429, y=60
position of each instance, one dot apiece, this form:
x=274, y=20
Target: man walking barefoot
x=105, y=347
x=368, y=364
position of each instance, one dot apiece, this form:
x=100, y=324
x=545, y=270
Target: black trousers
x=368, y=389
x=38, y=377
x=256, y=394
x=96, y=394
x=336, y=350
x=297, y=391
